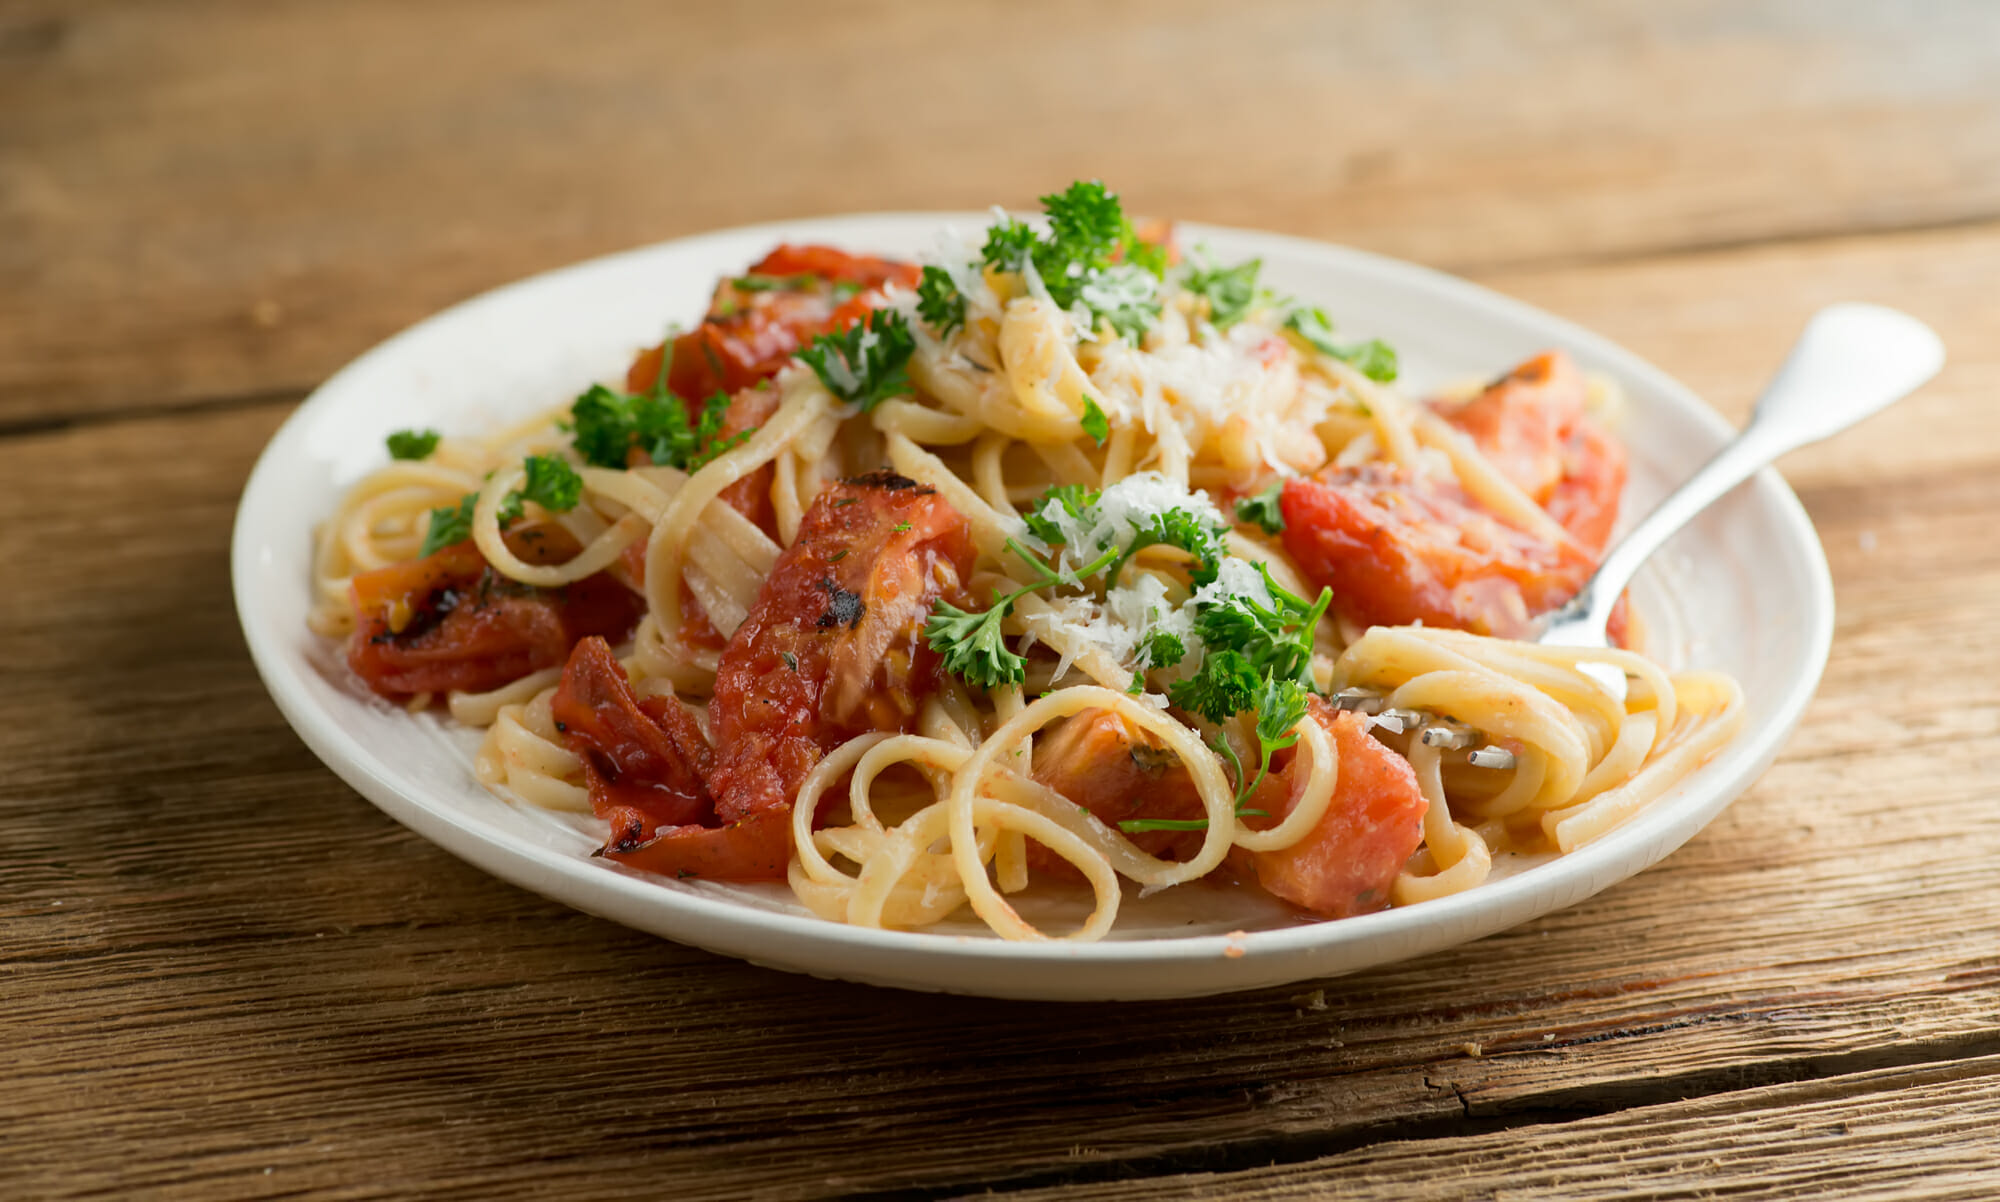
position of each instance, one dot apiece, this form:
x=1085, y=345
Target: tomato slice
x=1118, y=773
x=1397, y=547
x=834, y=644
x=758, y=320
x=448, y=621
x=1343, y=866
x=645, y=763
x=1531, y=423
x=1346, y=864
x=757, y=848
x=1585, y=501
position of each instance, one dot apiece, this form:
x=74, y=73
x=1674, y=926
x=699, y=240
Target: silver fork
x=1853, y=361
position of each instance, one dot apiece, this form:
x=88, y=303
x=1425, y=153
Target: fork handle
x=1852, y=362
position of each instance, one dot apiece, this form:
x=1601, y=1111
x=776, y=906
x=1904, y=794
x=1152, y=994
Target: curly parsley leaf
x=449, y=524
x=664, y=431
x=551, y=483
x=939, y=302
x=869, y=363
x=1374, y=358
x=1226, y=685
x=1090, y=256
x=1262, y=509
x=601, y=426
x=605, y=426
x=1161, y=649
x=1280, y=706
x=1230, y=291
x=412, y=444
x=1177, y=528
x=1086, y=222
x=1095, y=423
x=1079, y=502
x=1277, y=640
x=1010, y=245
x=972, y=645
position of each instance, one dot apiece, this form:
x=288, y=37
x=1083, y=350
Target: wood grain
x=1896, y=1134
x=222, y=198
x=223, y=974
x=290, y=981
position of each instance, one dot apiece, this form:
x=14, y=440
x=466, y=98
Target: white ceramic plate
x=1745, y=590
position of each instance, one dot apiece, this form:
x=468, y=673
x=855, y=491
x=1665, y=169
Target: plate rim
x=1414, y=931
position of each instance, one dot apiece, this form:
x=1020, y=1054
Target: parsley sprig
x=939, y=302
x=1090, y=258
x=971, y=641
x=449, y=524
x=1181, y=529
x=1374, y=358
x=550, y=481
x=1262, y=509
x=1230, y=291
x=1076, y=500
x=1172, y=528
x=605, y=425
x=412, y=444
x=869, y=362
x=1281, y=705
x=1274, y=641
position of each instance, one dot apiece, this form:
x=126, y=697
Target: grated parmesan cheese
x=1122, y=508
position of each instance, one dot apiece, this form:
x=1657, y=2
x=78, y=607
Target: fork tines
x=1432, y=731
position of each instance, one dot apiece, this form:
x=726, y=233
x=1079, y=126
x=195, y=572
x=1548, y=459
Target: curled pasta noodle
x=963, y=808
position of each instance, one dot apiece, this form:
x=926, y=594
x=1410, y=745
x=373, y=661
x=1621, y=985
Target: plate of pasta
x=1048, y=605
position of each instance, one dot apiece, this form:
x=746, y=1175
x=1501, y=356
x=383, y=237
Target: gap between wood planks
x=1550, y=1109
x=1550, y=1106
x=294, y=393
x=56, y=423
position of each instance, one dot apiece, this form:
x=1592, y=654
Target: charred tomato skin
x=449, y=621
x=834, y=645
x=646, y=763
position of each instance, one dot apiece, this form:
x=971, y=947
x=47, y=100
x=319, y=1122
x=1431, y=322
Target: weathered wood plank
x=222, y=198
x=1901, y=1134
x=214, y=959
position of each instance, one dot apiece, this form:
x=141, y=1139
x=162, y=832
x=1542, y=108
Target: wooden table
x=223, y=974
